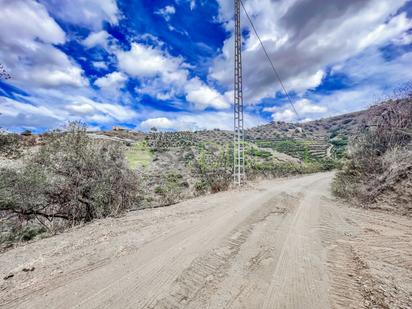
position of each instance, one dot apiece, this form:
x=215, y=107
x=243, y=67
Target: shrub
x=340, y=143
x=214, y=168
x=18, y=234
x=259, y=153
x=171, y=188
x=71, y=179
x=10, y=145
x=379, y=159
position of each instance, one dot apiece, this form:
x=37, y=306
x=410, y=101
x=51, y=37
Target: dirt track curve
x=279, y=244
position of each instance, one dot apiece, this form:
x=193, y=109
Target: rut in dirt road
x=281, y=244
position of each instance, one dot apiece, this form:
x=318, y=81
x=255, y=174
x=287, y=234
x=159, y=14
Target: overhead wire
x=270, y=60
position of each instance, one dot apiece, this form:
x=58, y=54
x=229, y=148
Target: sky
x=169, y=63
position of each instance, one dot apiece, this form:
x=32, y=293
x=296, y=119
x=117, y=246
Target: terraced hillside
x=320, y=138
x=317, y=139
x=170, y=162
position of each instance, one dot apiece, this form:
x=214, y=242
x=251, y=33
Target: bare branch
x=3, y=73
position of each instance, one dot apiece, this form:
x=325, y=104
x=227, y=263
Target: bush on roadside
x=71, y=179
x=171, y=189
x=380, y=159
x=213, y=168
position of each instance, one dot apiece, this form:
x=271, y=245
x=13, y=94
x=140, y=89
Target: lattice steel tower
x=239, y=134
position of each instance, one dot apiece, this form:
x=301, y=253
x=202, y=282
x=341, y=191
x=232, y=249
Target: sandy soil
x=278, y=244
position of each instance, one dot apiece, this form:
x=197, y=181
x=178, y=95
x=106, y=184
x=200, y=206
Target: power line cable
x=270, y=60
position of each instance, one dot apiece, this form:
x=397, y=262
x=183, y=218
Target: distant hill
x=322, y=138
x=320, y=129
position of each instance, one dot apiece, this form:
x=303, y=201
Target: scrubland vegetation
x=59, y=179
x=378, y=172
x=9, y=144
x=69, y=180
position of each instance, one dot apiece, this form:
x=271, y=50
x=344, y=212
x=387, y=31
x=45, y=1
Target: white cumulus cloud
x=90, y=13
x=205, y=120
x=159, y=123
x=96, y=38
x=113, y=80
x=164, y=77
x=167, y=12
x=303, y=38
x=305, y=108
x=27, y=38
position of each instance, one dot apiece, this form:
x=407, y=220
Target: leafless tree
x=404, y=91
x=3, y=73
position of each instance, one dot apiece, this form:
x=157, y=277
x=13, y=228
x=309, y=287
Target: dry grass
x=378, y=172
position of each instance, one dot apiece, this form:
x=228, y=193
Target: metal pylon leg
x=239, y=134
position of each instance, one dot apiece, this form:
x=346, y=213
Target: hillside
x=172, y=161
x=159, y=168
x=178, y=165
x=378, y=169
x=319, y=135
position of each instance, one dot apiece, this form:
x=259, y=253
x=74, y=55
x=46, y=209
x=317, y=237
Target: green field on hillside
x=139, y=155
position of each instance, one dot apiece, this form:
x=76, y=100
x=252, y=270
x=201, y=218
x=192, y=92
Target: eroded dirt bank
x=280, y=244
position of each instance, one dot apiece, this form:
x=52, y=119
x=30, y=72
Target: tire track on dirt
x=140, y=279
x=206, y=272
x=357, y=261
x=299, y=278
x=249, y=277
x=282, y=244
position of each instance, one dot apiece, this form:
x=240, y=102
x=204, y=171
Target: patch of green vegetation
x=213, y=166
x=264, y=144
x=27, y=233
x=71, y=179
x=290, y=147
x=340, y=142
x=333, y=134
x=139, y=154
x=297, y=149
x=259, y=153
x=31, y=232
x=306, y=154
x=172, y=188
x=201, y=186
x=280, y=169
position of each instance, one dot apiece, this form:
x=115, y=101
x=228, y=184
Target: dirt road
x=279, y=244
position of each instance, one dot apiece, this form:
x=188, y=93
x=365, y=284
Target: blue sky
x=169, y=63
